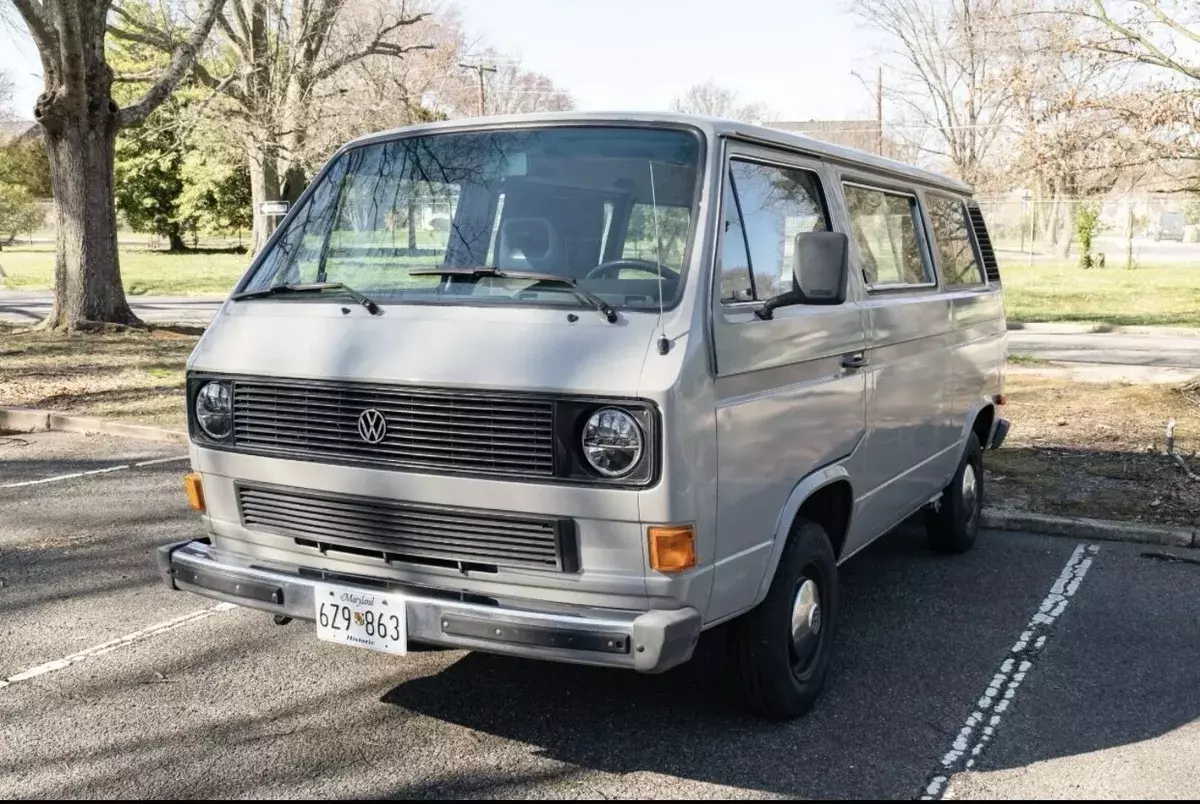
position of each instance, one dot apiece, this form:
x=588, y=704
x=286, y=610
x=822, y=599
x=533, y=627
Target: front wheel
x=780, y=651
x=953, y=522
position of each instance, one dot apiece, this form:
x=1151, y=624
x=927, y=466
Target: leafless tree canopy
x=951, y=57
x=710, y=99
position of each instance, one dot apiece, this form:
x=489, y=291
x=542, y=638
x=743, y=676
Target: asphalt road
x=1109, y=348
x=137, y=691
x=29, y=307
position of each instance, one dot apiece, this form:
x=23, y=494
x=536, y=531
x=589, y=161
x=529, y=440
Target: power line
x=479, y=68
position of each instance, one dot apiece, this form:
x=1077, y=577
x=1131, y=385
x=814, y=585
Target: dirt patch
x=1096, y=450
x=135, y=376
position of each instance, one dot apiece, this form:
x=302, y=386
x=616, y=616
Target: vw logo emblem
x=372, y=426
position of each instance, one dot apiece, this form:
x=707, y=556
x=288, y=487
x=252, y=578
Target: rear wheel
x=780, y=651
x=953, y=522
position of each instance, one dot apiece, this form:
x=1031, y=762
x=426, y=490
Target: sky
x=795, y=56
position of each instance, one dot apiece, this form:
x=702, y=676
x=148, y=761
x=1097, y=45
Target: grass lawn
x=143, y=271
x=132, y=376
x=1153, y=295
x=1053, y=291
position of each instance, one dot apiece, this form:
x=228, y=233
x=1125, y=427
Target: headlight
x=214, y=410
x=612, y=442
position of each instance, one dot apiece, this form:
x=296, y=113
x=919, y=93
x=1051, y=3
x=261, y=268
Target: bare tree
x=274, y=62
x=512, y=89
x=950, y=56
x=1159, y=37
x=79, y=122
x=508, y=86
x=1075, y=138
x=380, y=91
x=716, y=101
x=6, y=96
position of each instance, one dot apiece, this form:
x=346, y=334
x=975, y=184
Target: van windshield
x=610, y=208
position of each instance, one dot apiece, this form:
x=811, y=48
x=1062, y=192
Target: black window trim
x=764, y=161
x=919, y=225
x=969, y=228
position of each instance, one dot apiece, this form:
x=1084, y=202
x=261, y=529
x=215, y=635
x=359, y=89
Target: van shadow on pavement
x=920, y=638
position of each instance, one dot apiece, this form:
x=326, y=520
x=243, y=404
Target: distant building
x=860, y=134
x=14, y=132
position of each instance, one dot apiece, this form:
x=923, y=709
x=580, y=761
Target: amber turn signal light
x=672, y=547
x=195, y=491
x=1001, y=399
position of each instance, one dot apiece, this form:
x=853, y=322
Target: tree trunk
x=1067, y=234
x=175, y=241
x=264, y=186
x=87, y=273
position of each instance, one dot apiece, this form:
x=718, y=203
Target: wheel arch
x=827, y=497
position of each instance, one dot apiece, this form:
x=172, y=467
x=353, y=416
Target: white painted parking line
x=114, y=644
x=103, y=471
x=981, y=726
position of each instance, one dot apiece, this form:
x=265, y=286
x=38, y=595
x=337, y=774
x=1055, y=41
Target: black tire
x=774, y=680
x=953, y=522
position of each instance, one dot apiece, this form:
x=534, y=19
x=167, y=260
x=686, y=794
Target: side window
x=884, y=227
x=949, y=219
x=737, y=283
x=765, y=208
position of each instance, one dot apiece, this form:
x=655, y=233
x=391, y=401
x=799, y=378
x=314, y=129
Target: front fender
x=783, y=526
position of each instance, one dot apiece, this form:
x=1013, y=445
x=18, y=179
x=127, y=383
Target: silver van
x=580, y=387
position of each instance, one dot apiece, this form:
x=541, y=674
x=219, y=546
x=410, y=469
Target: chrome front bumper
x=645, y=641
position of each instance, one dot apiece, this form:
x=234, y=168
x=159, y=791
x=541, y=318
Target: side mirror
x=819, y=266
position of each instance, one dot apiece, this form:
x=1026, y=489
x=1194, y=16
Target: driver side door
x=785, y=403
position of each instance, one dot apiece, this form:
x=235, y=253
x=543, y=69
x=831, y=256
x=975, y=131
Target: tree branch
x=153, y=39
x=219, y=85
x=40, y=27
x=1153, y=55
x=182, y=59
x=377, y=47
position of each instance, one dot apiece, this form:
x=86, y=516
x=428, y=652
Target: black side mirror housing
x=820, y=269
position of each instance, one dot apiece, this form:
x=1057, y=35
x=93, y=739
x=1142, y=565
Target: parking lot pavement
x=200, y=701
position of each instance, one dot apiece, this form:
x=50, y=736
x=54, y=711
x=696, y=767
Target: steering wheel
x=611, y=269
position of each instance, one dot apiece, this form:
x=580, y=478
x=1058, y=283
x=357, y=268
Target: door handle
x=855, y=362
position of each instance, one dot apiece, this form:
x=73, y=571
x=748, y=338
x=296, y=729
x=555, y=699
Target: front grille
x=990, y=266
x=427, y=429
x=407, y=532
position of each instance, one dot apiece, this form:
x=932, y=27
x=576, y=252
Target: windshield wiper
x=610, y=315
x=310, y=287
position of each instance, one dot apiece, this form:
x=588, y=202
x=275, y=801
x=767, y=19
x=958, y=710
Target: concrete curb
x=1082, y=528
x=25, y=420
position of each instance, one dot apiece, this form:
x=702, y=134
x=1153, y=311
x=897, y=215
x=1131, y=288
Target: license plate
x=362, y=619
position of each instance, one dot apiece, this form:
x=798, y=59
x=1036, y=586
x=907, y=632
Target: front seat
x=529, y=244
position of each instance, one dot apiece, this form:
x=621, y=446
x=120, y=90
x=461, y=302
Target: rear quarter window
x=952, y=242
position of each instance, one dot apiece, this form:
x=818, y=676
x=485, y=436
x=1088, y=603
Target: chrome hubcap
x=970, y=491
x=806, y=621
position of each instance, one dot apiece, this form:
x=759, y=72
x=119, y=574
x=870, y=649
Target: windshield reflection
x=610, y=208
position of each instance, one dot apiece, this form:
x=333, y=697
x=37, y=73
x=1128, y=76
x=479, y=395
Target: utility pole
x=879, y=111
x=480, y=69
